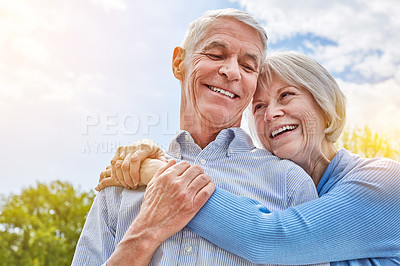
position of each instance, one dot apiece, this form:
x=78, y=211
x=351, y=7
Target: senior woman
x=298, y=113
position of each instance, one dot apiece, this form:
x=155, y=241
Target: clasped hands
x=144, y=162
x=133, y=165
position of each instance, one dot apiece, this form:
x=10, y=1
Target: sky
x=78, y=78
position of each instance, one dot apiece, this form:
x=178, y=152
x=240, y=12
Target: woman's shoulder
x=373, y=164
x=381, y=170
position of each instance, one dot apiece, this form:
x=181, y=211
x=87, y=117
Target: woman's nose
x=272, y=111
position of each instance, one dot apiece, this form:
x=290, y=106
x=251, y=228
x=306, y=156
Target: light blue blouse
x=356, y=217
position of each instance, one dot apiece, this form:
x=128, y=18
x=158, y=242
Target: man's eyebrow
x=218, y=44
x=214, y=44
x=253, y=57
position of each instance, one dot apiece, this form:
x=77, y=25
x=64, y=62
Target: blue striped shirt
x=356, y=220
x=233, y=163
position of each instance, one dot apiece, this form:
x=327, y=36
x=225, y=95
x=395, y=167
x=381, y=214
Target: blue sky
x=79, y=78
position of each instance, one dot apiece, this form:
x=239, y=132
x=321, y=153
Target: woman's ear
x=177, y=62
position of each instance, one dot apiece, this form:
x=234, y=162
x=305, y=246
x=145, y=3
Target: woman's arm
x=358, y=218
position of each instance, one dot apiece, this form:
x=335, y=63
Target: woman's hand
x=133, y=165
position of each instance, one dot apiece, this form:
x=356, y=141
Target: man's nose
x=272, y=111
x=231, y=69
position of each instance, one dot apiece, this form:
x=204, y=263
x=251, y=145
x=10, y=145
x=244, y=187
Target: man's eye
x=214, y=56
x=248, y=68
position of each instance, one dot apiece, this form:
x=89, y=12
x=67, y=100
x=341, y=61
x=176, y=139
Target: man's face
x=220, y=75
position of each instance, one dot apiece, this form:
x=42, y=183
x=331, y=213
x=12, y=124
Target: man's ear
x=177, y=62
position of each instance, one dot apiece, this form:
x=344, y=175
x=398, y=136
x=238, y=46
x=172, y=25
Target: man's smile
x=221, y=91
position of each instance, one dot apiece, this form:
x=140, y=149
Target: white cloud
x=358, y=27
x=376, y=105
x=363, y=49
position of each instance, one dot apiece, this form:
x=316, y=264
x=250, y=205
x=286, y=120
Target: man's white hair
x=198, y=28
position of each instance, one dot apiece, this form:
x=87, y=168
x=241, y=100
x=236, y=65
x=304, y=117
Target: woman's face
x=289, y=121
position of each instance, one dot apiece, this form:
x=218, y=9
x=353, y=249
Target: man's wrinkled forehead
x=207, y=41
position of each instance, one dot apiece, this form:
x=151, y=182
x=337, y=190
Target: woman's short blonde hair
x=301, y=71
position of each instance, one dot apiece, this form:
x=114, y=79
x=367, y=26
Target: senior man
x=217, y=66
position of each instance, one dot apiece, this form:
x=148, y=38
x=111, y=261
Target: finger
x=190, y=174
x=134, y=164
x=203, y=195
x=159, y=154
x=120, y=175
x=123, y=152
x=126, y=172
x=163, y=158
x=106, y=183
x=171, y=173
x=131, y=149
x=178, y=169
x=116, y=155
x=161, y=171
x=108, y=167
x=114, y=171
x=104, y=174
x=198, y=183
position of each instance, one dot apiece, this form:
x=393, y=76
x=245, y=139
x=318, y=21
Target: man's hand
x=172, y=198
x=133, y=165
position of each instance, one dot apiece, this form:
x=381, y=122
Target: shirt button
x=178, y=155
x=188, y=249
x=186, y=137
x=230, y=151
x=203, y=162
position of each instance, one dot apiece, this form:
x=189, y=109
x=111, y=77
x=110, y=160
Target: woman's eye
x=258, y=108
x=286, y=94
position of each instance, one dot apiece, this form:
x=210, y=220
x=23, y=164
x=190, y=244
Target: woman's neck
x=316, y=164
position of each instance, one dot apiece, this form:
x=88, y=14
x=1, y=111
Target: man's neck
x=202, y=131
x=201, y=135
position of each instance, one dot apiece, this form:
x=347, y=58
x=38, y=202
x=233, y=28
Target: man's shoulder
x=267, y=156
x=115, y=198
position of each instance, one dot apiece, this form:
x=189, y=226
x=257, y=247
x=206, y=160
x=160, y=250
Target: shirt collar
x=236, y=140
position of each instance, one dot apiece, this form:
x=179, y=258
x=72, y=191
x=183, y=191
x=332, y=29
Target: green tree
x=41, y=226
x=368, y=143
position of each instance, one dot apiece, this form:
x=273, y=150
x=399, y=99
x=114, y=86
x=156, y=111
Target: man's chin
x=221, y=121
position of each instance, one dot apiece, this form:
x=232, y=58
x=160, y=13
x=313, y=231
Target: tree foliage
x=41, y=226
x=368, y=143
